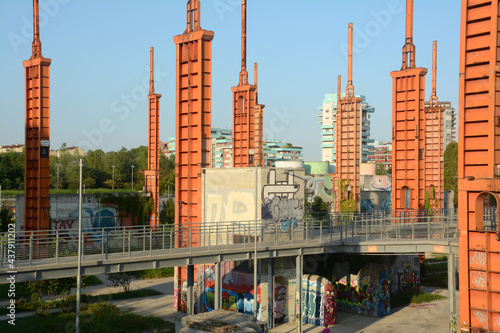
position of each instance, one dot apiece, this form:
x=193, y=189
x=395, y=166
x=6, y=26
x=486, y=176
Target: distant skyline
x=100, y=63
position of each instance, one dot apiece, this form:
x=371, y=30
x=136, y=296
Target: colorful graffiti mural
x=380, y=183
x=313, y=300
x=320, y=185
x=237, y=290
x=368, y=295
x=330, y=306
x=282, y=199
x=280, y=299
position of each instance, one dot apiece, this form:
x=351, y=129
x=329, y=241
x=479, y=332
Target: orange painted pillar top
x=408, y=119
x=152, y=174
x=247, y=113
x=37, y=133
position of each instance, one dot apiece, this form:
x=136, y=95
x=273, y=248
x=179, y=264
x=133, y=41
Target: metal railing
x=52, y=246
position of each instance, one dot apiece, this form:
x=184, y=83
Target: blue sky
x=100, y=62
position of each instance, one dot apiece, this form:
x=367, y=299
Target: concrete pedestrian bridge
x=53, y=254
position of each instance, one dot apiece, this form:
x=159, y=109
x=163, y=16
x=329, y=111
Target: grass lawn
x=92, y=299
x=439, y=267
x=110, y=322
x=439, y=280
x=89, y=280
x=413, y=298
x=154, y=273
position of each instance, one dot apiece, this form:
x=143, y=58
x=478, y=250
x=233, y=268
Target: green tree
x=6, y=217
x=167, y=214
x=12, y=171
x=381, y=171
x=451, y=170
x=319, y=208
x=167, y=173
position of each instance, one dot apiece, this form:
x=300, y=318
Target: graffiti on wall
x=313, y=300
x=375, y=200
x=367, y=293
x=384, y=298
x=281, y=199
x=237, y=290
x=280, y=299
x=330, y=305
x=92, y=217
x=408, y=277
x=320, y=186
x=230, y=204
x=379, y=183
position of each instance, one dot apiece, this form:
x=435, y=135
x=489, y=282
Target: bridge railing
x=28, y=247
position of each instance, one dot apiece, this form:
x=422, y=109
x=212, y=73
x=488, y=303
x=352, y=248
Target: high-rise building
x=222, y=149
x=327, y=119
x=382, y=153
x=449, y=130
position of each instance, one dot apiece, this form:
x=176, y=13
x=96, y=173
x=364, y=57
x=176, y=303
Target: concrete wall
x=376, y=193
x=231, y=195
x=404, y=273
x=366, y=293
x=64, y=212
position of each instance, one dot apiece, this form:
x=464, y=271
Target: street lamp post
x=113, y=177
x=255, y=249
x=132, y=177
x=79, y=275
x=57, y=186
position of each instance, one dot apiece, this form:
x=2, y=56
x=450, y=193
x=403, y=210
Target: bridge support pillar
x=452, y=283
x=270, y=293
x=190, y=290
x=217, y=286
x=298, y=293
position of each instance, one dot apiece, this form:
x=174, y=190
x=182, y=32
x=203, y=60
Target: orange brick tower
x=247, y=113
x=348, y=144
x=193, y=122
x=152, y=174
x=433, y=150
x=479, y=165
x=408, y=132
x=37, y=134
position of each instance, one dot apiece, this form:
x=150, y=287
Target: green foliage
x=120, y=280
x=347, y=202
x=128, y=294
x=380, y=170
x=102, y=309
x=97, y=170
x=415, y=297
x=167, y=214
x=6, y=217
x=113, y=322
x=451, y=170
x=154, y=273
x=36, y=293
x=131, y=204
x=319, y=208
x=12, y=171
x=91, y=280
x=435, y=268
x=167, y=174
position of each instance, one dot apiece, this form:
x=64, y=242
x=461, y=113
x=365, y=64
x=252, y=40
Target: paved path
x=421, y=318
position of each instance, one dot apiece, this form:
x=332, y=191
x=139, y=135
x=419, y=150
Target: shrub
x=102, y=309
x=120, y=280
